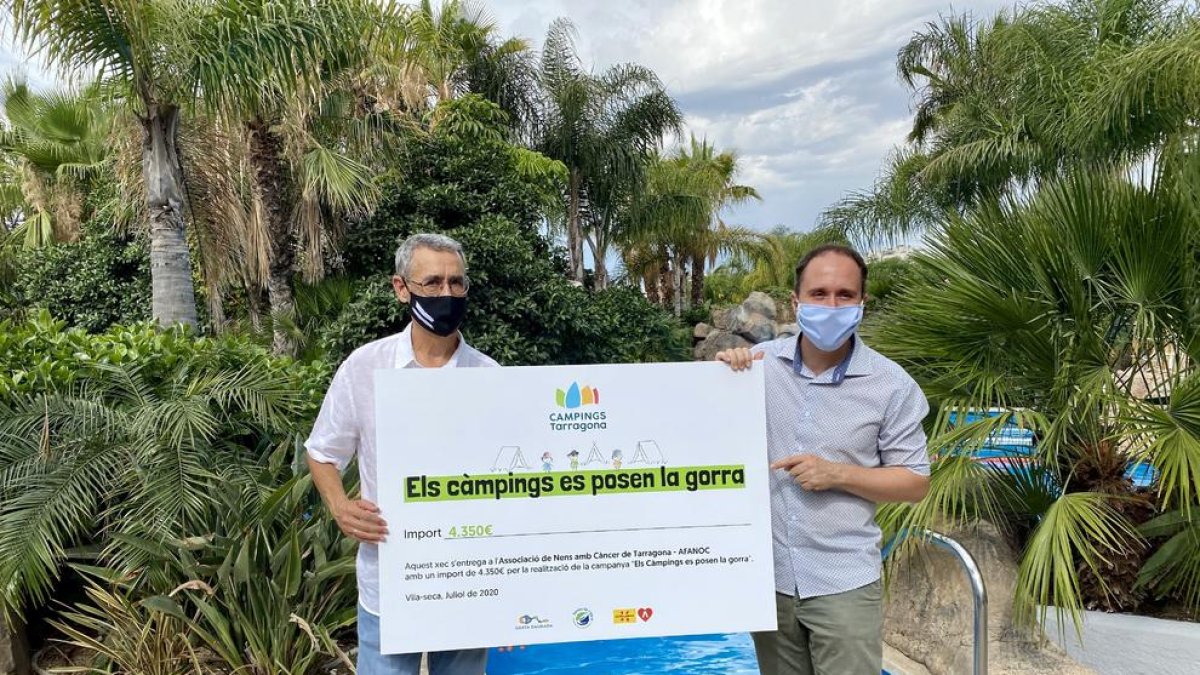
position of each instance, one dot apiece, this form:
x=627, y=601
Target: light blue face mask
x=828, y=328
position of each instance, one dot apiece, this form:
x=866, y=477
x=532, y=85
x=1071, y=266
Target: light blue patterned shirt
x=866, y=411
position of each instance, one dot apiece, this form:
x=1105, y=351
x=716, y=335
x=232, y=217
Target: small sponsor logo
x=532, y=621
x=625, y=615
x=582, y=617
x=645, y=613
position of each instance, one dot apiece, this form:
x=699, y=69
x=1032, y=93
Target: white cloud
x=804, y=91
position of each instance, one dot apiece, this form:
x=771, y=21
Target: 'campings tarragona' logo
x=573, y=398
x=576, y=396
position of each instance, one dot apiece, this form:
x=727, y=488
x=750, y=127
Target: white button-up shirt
x=346, y=426
x=867, y=412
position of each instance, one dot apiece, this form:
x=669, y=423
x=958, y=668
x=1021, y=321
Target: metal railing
x=978, y=589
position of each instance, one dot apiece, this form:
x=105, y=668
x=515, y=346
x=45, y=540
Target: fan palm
x=52, y=142
x=1076, y=314
x=272, y=67
x=603, y=128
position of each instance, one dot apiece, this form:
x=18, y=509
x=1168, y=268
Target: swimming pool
x=731, y=654
x=728, y=654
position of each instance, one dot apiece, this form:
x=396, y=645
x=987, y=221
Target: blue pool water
x=729, y=654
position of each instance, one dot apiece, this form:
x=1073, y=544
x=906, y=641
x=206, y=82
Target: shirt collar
x=856, y=363
x=405, y=357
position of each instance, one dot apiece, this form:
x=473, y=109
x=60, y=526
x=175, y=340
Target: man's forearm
x=883, y=484
x=329, y=483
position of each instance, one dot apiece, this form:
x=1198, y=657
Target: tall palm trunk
x=677, y=284
x=574, y=231
x=173, y=296
x=270, y=172
x=601, y=279
x=599, y=248
x=664, y=282
x=698, y=262
x=254, y=305
x=650, y=281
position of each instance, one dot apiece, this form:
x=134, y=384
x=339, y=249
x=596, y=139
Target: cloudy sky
x=804, y=90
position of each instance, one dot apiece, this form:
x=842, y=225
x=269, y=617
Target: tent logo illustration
x=510, y=458
x=576, y=396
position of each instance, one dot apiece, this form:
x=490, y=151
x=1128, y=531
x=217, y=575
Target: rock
x=720, y=317
x=929, y=611
x=760, y=303
x=14, y=653
x=754, y=327
x=785, y=313
x=754, y=319
x=701, y=331
x=786, y=330
x=715, y=342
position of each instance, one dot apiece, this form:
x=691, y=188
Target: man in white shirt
x=431, y=277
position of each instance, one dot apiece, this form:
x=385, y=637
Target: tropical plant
x=456, y=51
x=604, y=128
x=267, y=592
x=116, y=629
x=769, y=263
x=1006, y=102
x=141, y=52
x=270, y=68
x=53, y=143
x=676, y=222
x=134, y=432
x=1074, y=314
x=522, y=309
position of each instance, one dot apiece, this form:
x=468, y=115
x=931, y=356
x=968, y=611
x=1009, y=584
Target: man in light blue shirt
x=843, y=433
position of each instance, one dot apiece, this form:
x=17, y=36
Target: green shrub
x=101, y=280
x=133, y=432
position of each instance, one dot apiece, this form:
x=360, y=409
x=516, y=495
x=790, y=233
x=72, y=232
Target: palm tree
x=1076, y=313
x=271, y=66
x=659, y=222
x=140, y=50
x=603, y=128
x=772, y=263
x=715, y=237
x=675, y=221
x=53, y=143
x=456, y=50
x=1002, y=103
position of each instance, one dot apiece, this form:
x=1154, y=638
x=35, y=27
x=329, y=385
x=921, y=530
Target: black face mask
x=440, y=314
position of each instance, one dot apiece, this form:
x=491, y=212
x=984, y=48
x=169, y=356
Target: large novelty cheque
x=558, y=504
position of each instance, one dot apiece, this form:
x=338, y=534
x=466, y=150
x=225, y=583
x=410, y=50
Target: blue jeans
x=371, y=662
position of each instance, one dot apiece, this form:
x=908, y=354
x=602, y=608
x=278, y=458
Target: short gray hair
x=433, y=242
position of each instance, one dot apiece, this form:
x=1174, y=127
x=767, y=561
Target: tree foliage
x=522, y=308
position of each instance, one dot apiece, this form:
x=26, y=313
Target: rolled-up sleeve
x=902, y=441
x=334, y=437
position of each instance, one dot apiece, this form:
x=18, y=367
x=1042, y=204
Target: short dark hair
x=838, y=249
